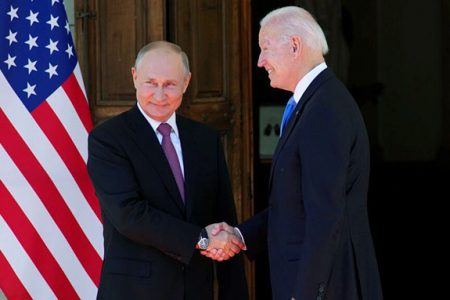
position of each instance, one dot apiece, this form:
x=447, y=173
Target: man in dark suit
x=161, y=179
x=316, y=227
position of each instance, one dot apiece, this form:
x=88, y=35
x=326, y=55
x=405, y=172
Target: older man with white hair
x=316, y=227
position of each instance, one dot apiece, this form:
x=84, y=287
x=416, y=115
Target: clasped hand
x=224, y=242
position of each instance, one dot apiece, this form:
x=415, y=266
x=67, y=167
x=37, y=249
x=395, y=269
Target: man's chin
x=161, y=117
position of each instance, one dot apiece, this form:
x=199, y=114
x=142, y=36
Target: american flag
x=50, y=223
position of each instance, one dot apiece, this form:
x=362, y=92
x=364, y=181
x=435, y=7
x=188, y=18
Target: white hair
x=294, y=20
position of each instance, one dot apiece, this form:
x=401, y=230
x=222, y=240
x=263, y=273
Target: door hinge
x=84, y=14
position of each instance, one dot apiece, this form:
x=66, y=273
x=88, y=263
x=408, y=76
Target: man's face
x=276, y=57
x=160, y=81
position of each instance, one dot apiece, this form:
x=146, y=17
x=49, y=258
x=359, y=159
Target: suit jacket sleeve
x=118, y=191
x=231, y=274
x=254, y=232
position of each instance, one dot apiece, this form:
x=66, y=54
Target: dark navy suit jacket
x=149, y=234
x=316, y=226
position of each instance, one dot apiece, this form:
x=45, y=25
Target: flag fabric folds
x=50, y=224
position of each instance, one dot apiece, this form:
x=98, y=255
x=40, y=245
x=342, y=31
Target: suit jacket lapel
x=297, y=114
x=146, y=140
x=191, y=142
x=190, y=146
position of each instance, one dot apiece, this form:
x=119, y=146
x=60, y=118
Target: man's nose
x=261, y=61
x=159, y=94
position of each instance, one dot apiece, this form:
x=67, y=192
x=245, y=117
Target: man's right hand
x=224, y=242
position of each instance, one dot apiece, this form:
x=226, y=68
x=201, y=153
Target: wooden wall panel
x=207, y=54
x=109, y=35
x=200, y=27
x=117, y=47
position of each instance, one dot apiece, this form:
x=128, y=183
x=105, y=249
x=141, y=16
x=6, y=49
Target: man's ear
x=134, y=75
x=187, y=79
x=296, y=45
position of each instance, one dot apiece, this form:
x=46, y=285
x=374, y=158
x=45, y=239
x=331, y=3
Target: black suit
x=316, y=226
x=149, y=234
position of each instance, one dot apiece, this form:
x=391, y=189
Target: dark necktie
x=290, y=106
x=171, y=155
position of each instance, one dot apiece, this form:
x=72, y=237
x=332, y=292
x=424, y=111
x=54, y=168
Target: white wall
x=70, y=15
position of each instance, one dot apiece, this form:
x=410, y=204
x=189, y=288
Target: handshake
x=224, y=242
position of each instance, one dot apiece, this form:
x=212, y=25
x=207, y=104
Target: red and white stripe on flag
x=51, y=244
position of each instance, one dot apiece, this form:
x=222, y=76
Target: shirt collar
x=171, y=121
x=303, y=84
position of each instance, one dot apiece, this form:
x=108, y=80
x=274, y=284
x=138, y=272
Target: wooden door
x=215, y=35
x=108, y=36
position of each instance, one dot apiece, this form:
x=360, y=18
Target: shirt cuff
x=242, y=237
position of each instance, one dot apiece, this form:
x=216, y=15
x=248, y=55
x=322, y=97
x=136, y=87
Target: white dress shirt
x=303, y=84
x=174, y=135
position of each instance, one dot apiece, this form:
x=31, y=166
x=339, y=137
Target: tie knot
x=291, y=101
x=290, y=106
x=164, y=129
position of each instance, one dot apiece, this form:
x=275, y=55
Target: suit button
x=281, y=169
x=182, y=268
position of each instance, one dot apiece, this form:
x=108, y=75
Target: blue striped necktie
x=290, y=106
